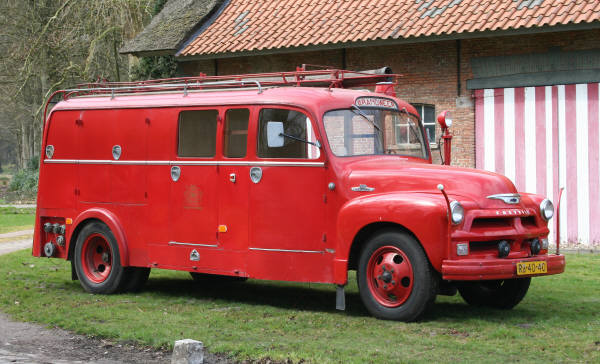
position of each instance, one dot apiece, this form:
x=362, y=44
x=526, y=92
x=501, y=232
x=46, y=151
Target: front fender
x=533, y=199
x=113, y=223
x=422, y=214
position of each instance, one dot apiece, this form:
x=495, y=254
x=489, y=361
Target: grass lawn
x=13, y=219
x=559, y=320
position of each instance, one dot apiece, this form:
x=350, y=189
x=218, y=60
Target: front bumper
x=497, y=268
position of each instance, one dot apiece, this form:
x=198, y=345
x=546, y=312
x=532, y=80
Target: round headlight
x=546, y=209
x=457, y=211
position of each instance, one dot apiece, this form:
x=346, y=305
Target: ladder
x=317, y=76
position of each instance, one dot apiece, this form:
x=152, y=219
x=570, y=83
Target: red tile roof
x=254, y=25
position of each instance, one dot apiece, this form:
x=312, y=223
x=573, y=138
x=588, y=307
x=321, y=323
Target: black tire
x=89, y=275
x=208, y=279
x=418, y=289
x=504, y=294
x=136, y=278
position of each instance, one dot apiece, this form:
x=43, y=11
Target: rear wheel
x=97, y=260
x=504, y=294
x=395, y=279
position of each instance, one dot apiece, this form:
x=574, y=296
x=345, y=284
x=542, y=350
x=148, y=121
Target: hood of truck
x=387, y=175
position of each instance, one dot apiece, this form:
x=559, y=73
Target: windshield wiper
x=317, y=144
x=358, y=111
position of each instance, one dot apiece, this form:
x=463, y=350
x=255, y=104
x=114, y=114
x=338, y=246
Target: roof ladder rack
x=322, y=76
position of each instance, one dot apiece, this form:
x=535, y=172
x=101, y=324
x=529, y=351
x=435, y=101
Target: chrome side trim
x=186, y=163
x=261, y=164
x=190, y=244
x=194, y=163
x=62, y=161
x=508, y=198
x=288, y=250
x=105, y=161
x=99, y=161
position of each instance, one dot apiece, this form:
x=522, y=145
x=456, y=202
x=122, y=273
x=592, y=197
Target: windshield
x=369, y=131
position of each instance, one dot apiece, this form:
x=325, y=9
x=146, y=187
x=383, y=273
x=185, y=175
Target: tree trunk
x=39, y=118
x=23, y=145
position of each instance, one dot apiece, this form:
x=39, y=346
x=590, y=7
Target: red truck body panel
x=293, y=225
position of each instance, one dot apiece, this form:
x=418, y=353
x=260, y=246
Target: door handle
x=255, y=174
x=232, y=177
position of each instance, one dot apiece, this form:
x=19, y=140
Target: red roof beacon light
x=445, y=119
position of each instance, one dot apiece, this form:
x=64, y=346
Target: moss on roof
x=171, y=27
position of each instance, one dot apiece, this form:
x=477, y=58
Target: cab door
x=234, y=183
x=287, y=201
x=193, y=203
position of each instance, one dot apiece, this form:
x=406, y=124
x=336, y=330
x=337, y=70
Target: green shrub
x=154, y=67
x=25, y=181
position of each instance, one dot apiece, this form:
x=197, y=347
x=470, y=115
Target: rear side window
x=236, y=133
x=197, y=133
x=299, y=140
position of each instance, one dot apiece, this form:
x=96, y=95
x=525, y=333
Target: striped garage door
x=544, y=138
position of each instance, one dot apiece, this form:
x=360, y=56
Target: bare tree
x=50, y=44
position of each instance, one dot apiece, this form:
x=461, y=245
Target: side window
x=197, y=133
x=427, y=113
x=236, y=133
x=299, y=140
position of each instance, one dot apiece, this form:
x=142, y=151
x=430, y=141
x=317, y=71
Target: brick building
x=520, y=77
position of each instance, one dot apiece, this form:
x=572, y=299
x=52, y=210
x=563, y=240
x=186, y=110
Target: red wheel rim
x=96, y=258
x=390, y=276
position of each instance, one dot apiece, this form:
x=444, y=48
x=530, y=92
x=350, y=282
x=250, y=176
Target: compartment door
x=193, y=203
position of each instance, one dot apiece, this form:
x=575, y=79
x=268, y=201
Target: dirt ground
x=22, y=342
x=29, y=343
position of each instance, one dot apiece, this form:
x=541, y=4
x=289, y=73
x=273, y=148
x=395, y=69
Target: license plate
x=527, y=268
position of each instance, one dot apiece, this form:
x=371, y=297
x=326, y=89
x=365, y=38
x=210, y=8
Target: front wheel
x=395, y=279
x=97, y=260
x=504, y=294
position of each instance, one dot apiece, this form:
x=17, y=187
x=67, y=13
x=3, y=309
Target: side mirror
x=444, y=119
x=275, y=134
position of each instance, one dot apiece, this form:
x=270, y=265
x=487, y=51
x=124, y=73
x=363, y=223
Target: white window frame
x=421, y=110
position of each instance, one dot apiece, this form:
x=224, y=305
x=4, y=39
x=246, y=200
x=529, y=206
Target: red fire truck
x=291, y=176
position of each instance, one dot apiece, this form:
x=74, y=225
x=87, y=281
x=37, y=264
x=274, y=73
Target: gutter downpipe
x=558, y=221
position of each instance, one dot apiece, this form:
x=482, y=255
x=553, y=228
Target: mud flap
x=340, y=298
